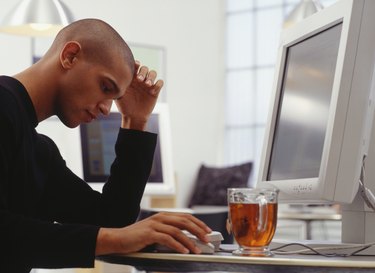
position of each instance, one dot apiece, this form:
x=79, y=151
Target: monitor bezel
x=340, y=162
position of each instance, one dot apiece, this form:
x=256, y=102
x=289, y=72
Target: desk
x=170, y=262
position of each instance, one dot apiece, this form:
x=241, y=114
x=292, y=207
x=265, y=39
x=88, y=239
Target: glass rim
x=254, y=189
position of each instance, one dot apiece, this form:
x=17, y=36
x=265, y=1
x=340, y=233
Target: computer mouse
x=213, y=245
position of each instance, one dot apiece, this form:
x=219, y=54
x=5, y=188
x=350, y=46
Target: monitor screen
x=302, y=117
x=98, y=140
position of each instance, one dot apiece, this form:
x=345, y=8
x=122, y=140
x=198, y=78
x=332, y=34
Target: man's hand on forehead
x=140, y=98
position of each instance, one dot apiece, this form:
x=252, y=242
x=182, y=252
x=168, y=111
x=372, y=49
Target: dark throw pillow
x=212, y=183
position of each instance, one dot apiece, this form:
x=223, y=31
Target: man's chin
x=70, y=124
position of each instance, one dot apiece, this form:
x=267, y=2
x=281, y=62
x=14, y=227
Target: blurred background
x=217, y=59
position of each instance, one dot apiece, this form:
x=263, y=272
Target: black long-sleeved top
x=49, y=217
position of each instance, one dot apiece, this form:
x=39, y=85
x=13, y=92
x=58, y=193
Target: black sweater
x=49, y=217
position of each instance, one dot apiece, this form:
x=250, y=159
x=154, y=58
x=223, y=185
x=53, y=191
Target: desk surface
x=171, y=262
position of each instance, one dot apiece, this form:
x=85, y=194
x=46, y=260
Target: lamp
x=37, y=18
x=304, y=9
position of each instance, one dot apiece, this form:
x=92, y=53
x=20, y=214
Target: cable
x=365, y=192
x=329, y=251
x=319, y=250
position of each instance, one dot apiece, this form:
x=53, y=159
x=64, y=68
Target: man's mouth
x=92, y=116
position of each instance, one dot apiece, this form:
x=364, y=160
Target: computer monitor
x=320, y=125
x=98, y=139
x=89, y=149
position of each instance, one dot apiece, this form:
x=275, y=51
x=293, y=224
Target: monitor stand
x=358, y=224
x=358, y=220
x=357, y=230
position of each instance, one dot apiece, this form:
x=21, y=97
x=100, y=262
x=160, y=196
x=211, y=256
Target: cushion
x=212, y=183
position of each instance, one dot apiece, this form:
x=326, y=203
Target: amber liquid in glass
x=246, y=228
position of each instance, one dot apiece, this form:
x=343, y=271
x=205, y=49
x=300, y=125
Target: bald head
x=99, y=41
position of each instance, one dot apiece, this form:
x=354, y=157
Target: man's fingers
x=157, y=87
x=185, y=221
x=176, y=239
x=146, y=75
x=142, y=73
x=150, y=78
x=137, y=64
x=189, y=219
x=168, y=241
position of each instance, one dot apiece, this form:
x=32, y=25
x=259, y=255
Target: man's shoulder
x=9, y=107
x=7, y=97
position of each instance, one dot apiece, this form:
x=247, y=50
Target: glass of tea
x=253, y=219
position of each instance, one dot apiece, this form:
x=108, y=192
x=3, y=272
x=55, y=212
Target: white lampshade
x=37, y=18
x=304, y=9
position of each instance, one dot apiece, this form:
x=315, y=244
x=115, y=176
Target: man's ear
x=69, y=54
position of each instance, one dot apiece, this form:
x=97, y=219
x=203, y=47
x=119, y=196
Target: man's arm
x=165, y=228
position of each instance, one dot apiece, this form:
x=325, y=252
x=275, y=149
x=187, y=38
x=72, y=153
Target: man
x=49, y=217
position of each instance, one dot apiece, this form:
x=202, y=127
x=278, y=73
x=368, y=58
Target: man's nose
x=105, y=107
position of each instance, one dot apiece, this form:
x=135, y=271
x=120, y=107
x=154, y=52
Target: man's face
x=88, y=90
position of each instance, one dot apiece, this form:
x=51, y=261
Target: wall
x=192, y=32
